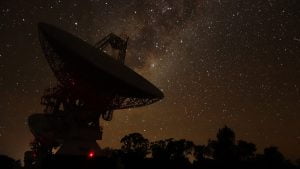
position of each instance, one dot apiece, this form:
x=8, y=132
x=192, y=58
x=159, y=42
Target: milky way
x=233, y=62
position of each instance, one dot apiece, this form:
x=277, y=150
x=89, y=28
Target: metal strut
x=116, y=43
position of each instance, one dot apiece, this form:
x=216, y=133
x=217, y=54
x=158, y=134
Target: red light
x=91, y=154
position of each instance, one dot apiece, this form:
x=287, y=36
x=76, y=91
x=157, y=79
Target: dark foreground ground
x=75, y=162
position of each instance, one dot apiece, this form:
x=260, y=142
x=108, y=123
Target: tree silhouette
x=179, y=149
x=40, y=155
x=273, y=156
x=224, y=148
x=171, y=149
x=199, y=152
x=246, y=151
x=158, y=150
x=135, y=145
x=226, y=136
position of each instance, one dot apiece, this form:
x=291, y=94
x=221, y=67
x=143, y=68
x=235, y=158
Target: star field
x=233, y=62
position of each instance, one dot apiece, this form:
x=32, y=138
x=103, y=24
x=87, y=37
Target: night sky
x=233, y=62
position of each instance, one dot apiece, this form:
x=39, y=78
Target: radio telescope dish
x=92, y=83
x=86, y=69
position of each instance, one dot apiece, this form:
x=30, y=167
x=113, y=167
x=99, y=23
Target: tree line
x=138, y=152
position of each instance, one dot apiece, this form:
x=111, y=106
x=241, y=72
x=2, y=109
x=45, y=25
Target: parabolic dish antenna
x=87, y=69
x=92, y=83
